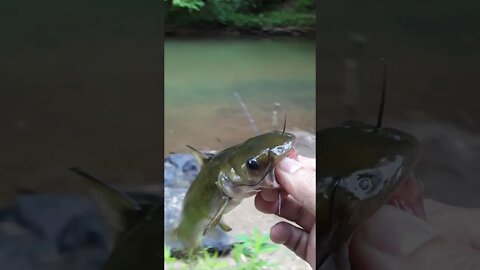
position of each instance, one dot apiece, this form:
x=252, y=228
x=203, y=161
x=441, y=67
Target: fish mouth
x=293, y=154
x=273, y=184
x=409, y=197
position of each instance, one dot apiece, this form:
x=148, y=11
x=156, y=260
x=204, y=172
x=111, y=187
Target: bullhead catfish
x=360, y=167
x=225, y=180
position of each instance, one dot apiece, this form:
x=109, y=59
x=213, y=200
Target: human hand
x=297, y=179
x=393, y=239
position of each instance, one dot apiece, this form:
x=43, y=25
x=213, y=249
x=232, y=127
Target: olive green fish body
x=359, y=169
x=225, y=180
x=142, y=246
x=201, y=203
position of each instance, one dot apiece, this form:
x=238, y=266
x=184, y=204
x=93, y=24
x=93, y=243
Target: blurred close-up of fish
x=360, y=168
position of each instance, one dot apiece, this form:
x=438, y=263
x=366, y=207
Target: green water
x=201, y=77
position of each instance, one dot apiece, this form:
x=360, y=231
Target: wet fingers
x=290, y=209
x=292, y=237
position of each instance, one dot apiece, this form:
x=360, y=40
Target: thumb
x=297, y=181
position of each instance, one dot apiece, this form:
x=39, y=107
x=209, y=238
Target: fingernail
x=289, y=165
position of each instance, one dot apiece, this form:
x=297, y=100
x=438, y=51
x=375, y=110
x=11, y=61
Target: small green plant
x=171, y=262
x=248, y=254
x=208, y=262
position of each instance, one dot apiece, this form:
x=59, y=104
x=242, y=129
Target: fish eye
x=365, y=183
x=252, y=164
x=279, y=150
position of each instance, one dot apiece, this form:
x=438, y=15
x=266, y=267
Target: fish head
x=359, y=168
x=250, y=165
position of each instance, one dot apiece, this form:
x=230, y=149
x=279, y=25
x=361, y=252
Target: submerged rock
x=180, y=170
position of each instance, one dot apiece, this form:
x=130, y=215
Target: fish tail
x=174, y=234
x=173, y=240
x=183, y=245
x=184, y=236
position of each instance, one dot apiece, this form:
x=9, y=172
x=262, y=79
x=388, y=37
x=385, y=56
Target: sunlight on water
x=201, y=77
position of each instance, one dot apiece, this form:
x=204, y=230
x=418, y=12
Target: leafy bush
x=304, y=5
x=238, y=13
x=272, y=19
x=188, y=4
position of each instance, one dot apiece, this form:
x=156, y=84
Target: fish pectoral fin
x=116, y=207
x=218, y=185
x=218, y=216
x=224, y=226
x=201, y=157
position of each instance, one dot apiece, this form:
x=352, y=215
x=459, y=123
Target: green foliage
x=188, y=4
x=209, y=261
x=167, y=255
x=240, y=13
x=247, y=255
x=304, y=5
x=273, y=19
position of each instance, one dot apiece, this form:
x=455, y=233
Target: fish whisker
x=270, y=169
x=279, y=202
x=263, y=178
x=332, y=199
x=384, y=87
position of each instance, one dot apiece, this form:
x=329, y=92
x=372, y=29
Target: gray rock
x=306, y=143
x=180, y=170
x=52, y=232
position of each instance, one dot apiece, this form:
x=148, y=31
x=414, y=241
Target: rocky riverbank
x=227, y=32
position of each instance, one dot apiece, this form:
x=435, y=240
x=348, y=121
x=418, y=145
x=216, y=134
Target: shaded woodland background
x=80, y=85
x=432, y=50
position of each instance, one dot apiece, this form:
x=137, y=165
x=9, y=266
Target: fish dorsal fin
x=201, y=157
x=117, y=208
